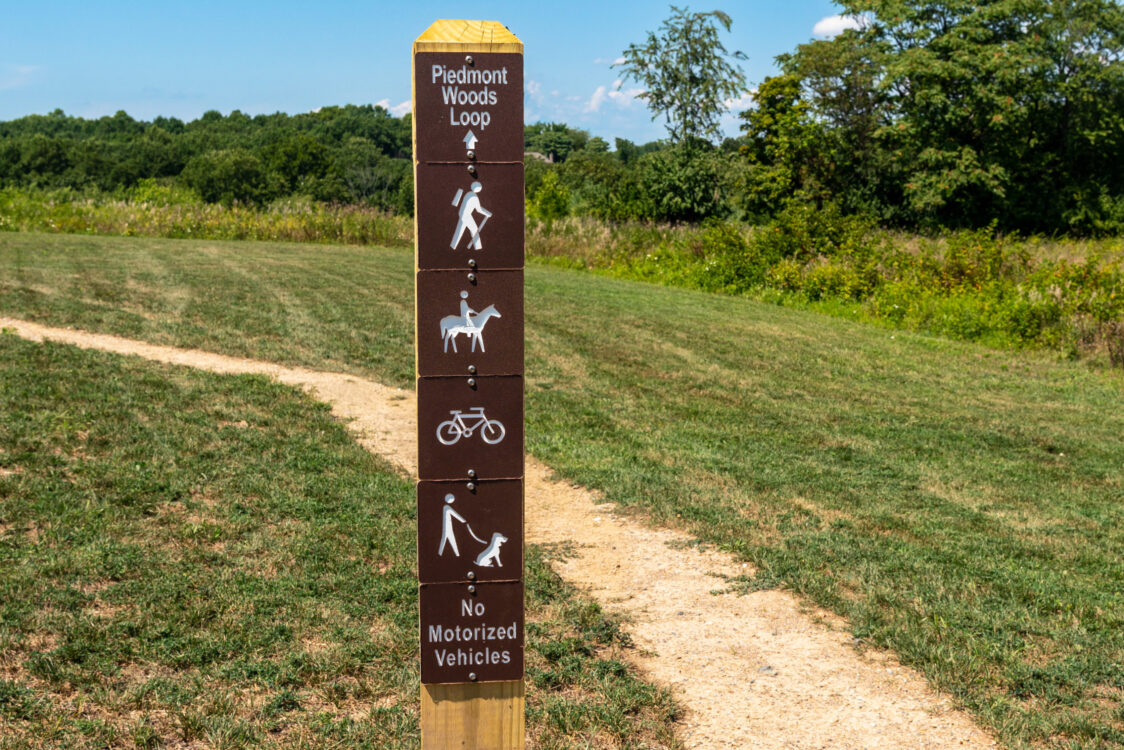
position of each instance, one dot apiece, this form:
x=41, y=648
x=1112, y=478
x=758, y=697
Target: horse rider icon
x=468, y=204
x=467, y=312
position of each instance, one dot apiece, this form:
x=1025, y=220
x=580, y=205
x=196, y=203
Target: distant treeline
x=352, y=154
x=927, y=115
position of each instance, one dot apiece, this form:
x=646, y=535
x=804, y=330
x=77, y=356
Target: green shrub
x=803, y=232
x=730, y=265
x=550, y=201
x=832, y=280
x=228, y=176
x=785, y=275
x=680, y=184
x=1114, y=335
x=161, y=193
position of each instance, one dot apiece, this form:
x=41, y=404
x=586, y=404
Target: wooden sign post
x=468, y=222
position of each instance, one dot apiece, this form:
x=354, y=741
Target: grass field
x=193, y=560
x=959, y=505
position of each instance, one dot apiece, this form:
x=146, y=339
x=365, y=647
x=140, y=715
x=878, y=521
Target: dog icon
x=491, y=553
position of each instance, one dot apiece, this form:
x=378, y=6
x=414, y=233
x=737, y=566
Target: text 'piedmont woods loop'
x=461, y=107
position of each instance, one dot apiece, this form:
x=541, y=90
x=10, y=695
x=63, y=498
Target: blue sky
x=180, y=59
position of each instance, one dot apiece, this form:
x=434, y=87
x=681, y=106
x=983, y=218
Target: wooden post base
x=472, y=716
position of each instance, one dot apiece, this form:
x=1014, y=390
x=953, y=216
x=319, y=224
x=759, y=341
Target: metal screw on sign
x=471, y=575
x=472, y=676
x=468, y=59
x=471, y=487
x=472, y=382
x=472, y=473
x=471, y=154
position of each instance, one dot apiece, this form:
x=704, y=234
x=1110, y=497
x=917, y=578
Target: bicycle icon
x=464, y=424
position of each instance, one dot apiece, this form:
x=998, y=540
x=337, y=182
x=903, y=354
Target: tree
x=1007, y=109
x=839, y=86
x=551, y=200
x=227, y=176
x=686, y=73
x=554, y=140
x=786, y=149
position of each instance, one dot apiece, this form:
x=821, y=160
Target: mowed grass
x=959, y=505
x=193, y=560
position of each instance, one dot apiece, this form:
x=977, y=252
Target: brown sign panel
x=471, y=632
x=470, y=531
x=470, y=326
x=470, y=216
x=462, y=106
x=470, y=425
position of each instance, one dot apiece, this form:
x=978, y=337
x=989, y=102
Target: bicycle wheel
x=448, y=432
x=492, y=431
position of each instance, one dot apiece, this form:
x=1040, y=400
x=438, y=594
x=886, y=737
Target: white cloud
x=622, y=99
x=397, y=110
x=15, y=76
x=830, y=26
x=608, y=61
x=532, y=87
x=745, y=101
x=595, y=101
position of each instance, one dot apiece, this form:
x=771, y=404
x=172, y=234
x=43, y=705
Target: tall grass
x=973, y=285
x=291, y=220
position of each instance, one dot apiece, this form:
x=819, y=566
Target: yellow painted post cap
x=467, y=36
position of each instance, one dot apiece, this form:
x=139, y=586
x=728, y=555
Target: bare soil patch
x=760, y=670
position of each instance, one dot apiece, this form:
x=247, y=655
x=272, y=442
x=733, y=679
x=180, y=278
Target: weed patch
x=290, y=220
x=974, y=286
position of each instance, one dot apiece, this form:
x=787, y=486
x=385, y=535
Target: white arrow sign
x=470, y=140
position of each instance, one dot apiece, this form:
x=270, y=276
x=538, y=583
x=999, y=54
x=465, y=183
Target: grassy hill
x=958, y=504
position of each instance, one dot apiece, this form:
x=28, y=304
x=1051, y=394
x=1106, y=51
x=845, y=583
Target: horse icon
x=491, y=553
x=470, y=325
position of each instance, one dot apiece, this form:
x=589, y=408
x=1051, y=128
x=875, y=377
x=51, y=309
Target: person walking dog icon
x=489, y=557
x=468, y=205
x=448, y=533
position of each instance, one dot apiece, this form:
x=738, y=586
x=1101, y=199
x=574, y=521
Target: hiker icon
x=468, y=204
x=491, y=553
x=469, y=322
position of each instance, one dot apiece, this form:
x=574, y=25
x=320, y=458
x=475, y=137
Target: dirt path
x=755, y=671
